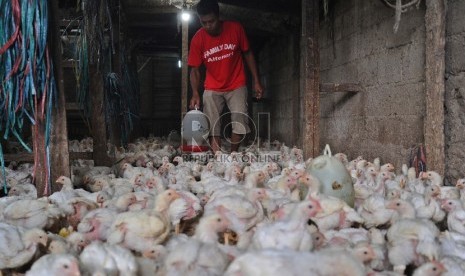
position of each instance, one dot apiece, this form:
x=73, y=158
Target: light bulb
x=185, y=16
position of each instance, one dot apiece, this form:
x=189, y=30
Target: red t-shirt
x=222, y=56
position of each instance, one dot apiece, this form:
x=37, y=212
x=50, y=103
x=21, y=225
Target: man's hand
x=258, y=89
x=195, y=101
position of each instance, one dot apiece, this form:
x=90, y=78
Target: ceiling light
x=185, y=15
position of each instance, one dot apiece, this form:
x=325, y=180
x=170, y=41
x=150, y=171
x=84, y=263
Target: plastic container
x=334, y=177
x=194, y=131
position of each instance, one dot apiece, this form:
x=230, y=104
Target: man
x=221, y=46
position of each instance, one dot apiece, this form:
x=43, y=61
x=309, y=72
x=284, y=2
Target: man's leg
x=213, y=103
x=215, y=143
x=236, y=141
x=237, y=104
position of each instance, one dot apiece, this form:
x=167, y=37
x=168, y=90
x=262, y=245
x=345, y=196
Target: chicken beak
x=176, y=195
x=422, y=175
x=440, y=266
x=390, y=205
x=459, y=185
x=317, y=204
x=371, y=254
x=444, y=204
x=44, y=241
x=75, y=269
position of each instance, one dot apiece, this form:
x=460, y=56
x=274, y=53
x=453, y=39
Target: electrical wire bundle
x=96, y=49
x=122, y=98
x=27, y=85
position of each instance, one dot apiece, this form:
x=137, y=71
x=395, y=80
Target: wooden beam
x=29, y=157
x=184, y=71
x=310, y=79
x=341, y=87
x=270, y=23
x=152, y=10
x=59, y=159
x=435, y=21
x=282, y=7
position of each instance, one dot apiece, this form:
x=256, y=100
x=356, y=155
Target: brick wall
x=455, y=91
x=357, y=44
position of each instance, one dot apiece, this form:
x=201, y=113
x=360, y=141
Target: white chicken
x=32, y=213
x=460, y=185
x=455, y=216
x=25, y=190
x=374, y=212
x=283, y=262
x=55, y=264
x=18, y=245
x=432, y=177
x=433, y=268
x=428, y=206
x=108, y=259
x=412, y=241
x=290, y=233
x=186, y=207
x=242, y=212
x=95, y=225
x=141, y=229
x=335, y=213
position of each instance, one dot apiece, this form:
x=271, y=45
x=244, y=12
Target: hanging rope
x=27, y=88
x=401, y=9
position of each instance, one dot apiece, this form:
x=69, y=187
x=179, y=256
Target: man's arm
x=250, y=60
x=195, y=82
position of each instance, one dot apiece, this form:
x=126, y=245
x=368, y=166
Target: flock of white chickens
x=258, y=212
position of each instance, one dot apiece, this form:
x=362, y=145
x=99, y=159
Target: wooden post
x=40, y=161
x=310, y=78
x=435, y=21
x=185, y=71
x=99, y=129
x=59, y=155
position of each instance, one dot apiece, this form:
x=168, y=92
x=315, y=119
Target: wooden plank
x=184, y=71
x=59, y=159
x=435, y=21
x=72, y=106
x=341, y=87
x=29, y=157
x=310, y=79
x=68, y=63
x=69, y=23
x=81, y=155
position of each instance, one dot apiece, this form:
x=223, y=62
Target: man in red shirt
x=222, y=46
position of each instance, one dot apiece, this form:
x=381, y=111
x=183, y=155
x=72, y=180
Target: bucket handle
x=327, y=151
